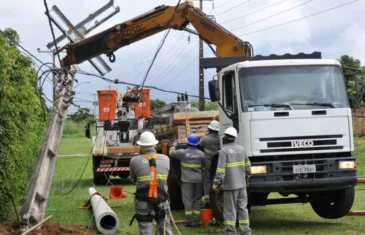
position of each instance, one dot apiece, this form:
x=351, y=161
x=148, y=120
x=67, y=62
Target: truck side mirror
x=214, y=90
x=87, y=130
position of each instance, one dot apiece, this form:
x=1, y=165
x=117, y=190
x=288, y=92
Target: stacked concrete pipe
x=106, y=220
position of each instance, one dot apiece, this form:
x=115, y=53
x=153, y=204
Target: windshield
x=292, y=87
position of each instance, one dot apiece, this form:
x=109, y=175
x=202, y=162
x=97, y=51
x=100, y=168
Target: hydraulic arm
x=153, y=22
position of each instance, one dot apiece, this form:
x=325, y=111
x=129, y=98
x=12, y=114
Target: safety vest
x=153, y=194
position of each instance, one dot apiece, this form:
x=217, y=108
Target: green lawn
x=278, y=219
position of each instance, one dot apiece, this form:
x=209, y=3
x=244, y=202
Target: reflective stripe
x=191, y=165
x=196, y=212
x=248, y=164
x=170, y=152
x=144, y=178
x=162, y=176
x=234, y=164
x=206, y=196
x=221, y=170
x=230, y=222
x=148, y=177
x=188, y=212
x=208, y=151
x=243, y=221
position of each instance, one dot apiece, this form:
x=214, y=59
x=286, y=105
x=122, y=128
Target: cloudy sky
x=334, y=33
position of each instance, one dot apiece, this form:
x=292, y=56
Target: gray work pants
x=235, y=206
x=145, y=228
x=207, y=180
x=192, y=199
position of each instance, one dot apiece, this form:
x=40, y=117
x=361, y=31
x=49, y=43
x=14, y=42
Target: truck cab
x=294, y=121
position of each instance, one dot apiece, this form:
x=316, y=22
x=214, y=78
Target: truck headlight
x=257, y=170
x=346, y=164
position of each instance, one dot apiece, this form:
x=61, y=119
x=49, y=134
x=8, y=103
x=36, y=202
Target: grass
x=276, y=219
x=73, y=140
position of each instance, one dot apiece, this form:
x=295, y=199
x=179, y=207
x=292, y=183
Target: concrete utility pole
x=35, y=202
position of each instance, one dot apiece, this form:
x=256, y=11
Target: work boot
x=207, y=205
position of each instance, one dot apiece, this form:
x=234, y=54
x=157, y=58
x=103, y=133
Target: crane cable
x=161, y=45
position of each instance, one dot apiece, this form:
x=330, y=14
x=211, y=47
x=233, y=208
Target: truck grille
x=301, y=143
x=286, y=169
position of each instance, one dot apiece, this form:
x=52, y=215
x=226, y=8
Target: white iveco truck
x=294, y=121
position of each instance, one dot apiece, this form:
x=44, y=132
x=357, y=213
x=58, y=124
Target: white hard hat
x=147, y=139
x=214, y=125
x=231, y=131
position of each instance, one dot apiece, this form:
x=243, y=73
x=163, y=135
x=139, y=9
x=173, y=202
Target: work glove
x=247, y=181
x=216, y=188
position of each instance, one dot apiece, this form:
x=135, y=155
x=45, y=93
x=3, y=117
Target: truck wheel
x=174, y=184
x=216, y=203
x=335, y=204
x=99, y=179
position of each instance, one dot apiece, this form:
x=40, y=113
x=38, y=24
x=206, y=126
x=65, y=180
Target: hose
x=173, y=221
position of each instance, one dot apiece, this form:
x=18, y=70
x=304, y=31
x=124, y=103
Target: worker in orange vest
x=149, y=171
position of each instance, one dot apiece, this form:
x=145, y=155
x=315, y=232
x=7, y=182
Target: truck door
x=228, y=100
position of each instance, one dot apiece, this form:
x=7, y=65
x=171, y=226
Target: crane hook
x=111, y=57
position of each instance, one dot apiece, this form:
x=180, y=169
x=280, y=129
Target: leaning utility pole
x=35, y=202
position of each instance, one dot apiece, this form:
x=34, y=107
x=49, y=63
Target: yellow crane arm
x=153, y=22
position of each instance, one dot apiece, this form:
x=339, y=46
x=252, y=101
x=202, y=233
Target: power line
x=163, y=74
x=161, y=44
x=263, y=19
x=220, y=5
x=182, y=71
x=232, y=8
x=314, y=14
x=53, y=35
x=116, y=81
x=251, y=13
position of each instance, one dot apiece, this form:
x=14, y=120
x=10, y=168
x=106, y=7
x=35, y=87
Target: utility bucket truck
x=294, y=121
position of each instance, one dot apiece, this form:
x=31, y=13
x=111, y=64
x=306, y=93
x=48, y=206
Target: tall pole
x=201, y=71
x=54, y=77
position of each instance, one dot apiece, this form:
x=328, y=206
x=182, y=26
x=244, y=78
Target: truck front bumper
x=280, y=176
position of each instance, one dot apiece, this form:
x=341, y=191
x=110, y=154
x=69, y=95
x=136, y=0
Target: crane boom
x=152, y=22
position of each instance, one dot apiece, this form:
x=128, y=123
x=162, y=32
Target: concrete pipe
x=106, y=220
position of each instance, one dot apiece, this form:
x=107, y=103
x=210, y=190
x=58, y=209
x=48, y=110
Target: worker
x=149, y=171
x=211, y=146
x=192, y=160
x=232, y=175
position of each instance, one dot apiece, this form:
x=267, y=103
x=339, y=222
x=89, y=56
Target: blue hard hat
x=192, y=140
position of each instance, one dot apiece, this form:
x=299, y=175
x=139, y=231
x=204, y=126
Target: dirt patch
x=12, y=228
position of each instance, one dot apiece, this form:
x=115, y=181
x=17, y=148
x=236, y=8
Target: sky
x=263, y=23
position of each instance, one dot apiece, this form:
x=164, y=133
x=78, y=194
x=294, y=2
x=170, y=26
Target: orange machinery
x=142, y=109
x=107, y=104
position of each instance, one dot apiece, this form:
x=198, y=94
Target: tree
x=208, y=105
x=354, y=76
x=22, y=121
x=157, y=104
x=81, y=115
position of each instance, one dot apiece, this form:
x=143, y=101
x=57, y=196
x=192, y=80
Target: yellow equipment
x=159, y=19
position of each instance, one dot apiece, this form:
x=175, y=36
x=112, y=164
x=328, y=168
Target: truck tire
x=335, y=204
x=174, y=184
x=99, y=179
x=216, y=203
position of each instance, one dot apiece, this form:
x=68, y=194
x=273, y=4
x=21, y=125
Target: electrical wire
x=53, y=35
x=295, y=20
x=116, y=81
x=160, y=77
x=161, y=44
x=253, y=12
x=271, y=16
x=232, y=8
x=220, y=6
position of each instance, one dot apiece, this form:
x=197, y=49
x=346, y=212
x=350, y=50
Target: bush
x=22, y=122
